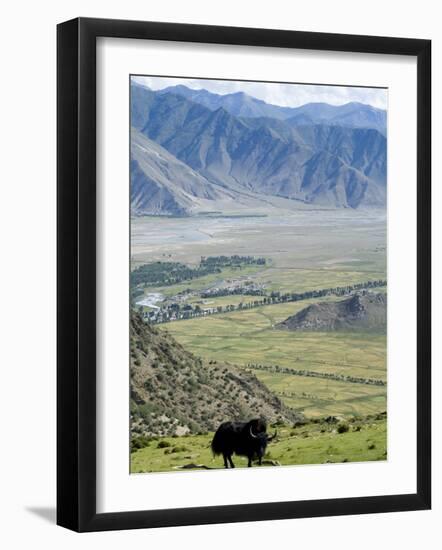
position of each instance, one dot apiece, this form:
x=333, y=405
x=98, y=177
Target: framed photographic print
x=243, y=274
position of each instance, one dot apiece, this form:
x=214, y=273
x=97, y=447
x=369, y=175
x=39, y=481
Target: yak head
x=259, y=436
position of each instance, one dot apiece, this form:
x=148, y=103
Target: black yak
x=242, y=438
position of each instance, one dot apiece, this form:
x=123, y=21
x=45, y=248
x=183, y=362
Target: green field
x=289, y=278
x=316, y=398
x=244, y=337
x=313, y=443
x=249, y=337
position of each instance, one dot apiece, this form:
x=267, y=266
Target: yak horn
x=252, y=434
x=271, y=437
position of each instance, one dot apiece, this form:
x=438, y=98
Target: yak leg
x=231, y=461
x=225, y=461
x=249, y=465
x=260, y=460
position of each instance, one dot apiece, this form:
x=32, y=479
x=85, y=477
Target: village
x=179, y=308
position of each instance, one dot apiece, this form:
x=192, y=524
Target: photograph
x=258, y=274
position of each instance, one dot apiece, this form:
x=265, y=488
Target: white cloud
x=291, y=95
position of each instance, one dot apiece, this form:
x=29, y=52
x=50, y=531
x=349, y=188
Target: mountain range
x=193, y=151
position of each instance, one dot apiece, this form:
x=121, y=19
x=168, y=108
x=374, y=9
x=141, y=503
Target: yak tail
x=216, y=444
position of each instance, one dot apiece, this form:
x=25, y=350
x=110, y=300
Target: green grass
x=310, y=444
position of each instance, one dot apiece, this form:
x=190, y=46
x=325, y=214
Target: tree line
x=315, y=374
x=171, y=273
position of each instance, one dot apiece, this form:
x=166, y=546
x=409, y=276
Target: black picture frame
x=77, y=287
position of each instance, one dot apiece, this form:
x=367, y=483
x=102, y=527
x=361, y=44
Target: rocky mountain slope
x=360, y=311
x=162, y=184
x=175, y=392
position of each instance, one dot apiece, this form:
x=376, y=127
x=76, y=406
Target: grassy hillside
x=175, y=392
x=319, y=442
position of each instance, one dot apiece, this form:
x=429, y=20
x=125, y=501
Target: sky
x=287, y=95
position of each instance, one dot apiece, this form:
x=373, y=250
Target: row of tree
x=315, y=374
x=171, y=273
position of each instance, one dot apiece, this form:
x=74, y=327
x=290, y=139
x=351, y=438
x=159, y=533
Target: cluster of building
x=251, y=289
x=175, y=312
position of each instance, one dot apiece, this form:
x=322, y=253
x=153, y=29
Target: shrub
x=133, y=407
x=163, y=444
x=342, y=428
x=178, y=449
x=139, y=443
x=148, y=385
x=299, y=423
